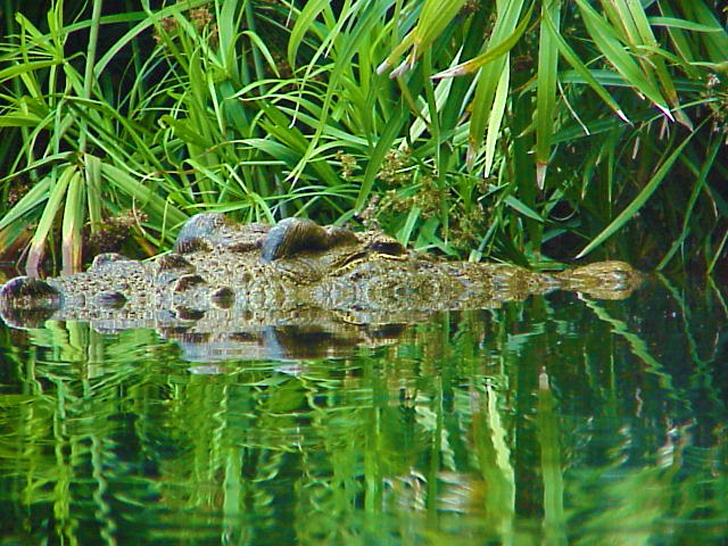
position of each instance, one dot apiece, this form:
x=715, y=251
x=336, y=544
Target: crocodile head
x=211, y=255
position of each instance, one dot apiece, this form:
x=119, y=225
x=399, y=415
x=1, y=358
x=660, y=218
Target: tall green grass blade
x=73, y=218
x=36, y=195
x=698, y=187
x=629, y=212
x=384, y=144
x=150, y=20
x=277, y=126
x=682, y=24
x=488, y=79
x=519, y=206
x=433, y=19
x=606, y=39
x=92, y=172
x=29, y=67
x=680, y=40
x=19, y=120
x=304, y=22
x=718, y=254
x=647, y=40
x=427, y=116
x=142, y=195
x=45, y=225
x=88, y=79
x=716, y=43
x=493, y=53
x=496, y=119
x=572, y=58
x=262, y=48
x=548, y=57
x=352, y=43
x=404, y=235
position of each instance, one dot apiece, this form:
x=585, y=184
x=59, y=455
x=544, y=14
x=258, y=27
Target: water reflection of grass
x=524, y=424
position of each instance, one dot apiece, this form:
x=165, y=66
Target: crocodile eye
x=291, y=236
x=387, y=246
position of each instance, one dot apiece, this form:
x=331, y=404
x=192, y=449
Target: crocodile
x=224, y=278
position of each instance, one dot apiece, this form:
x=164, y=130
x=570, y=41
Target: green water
x=556, y=420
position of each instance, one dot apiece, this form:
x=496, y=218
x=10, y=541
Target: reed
x=572, y=129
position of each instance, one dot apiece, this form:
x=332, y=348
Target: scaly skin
x=225, y=277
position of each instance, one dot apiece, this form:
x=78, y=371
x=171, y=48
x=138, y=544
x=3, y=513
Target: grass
x=570, y=128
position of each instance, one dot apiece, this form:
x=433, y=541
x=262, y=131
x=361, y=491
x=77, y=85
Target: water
x=561, y=419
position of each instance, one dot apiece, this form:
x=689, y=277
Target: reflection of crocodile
x=223, y=277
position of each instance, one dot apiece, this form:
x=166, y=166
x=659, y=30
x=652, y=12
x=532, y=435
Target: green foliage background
x=515, y=130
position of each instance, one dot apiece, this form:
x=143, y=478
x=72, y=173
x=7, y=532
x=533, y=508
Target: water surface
x=561, y=419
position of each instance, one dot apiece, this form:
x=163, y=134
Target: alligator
x=224, y=278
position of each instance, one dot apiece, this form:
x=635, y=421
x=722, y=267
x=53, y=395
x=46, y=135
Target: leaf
x=674, y=22
x=148, y=20
x=496, y=119
x=433, y=19
x=605, y=38
x=488, y=79
x=73, y=219
x=631, y=210
x=405, y=233
x=37, y=194
x=53, y=205
x=521, y=207
x=304, y=22
x=582, y=70
x=503, y=47
x=142, y=193
x=384, y=144
x=546, y=93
